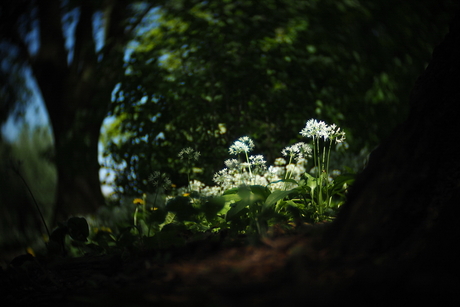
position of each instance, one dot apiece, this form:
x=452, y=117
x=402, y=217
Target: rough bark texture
x=400, y=221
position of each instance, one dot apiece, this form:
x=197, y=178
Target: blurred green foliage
x=209, y=72
x=31, y=154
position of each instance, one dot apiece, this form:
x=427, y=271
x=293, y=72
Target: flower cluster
x=230, y=178
x=242, y=145
x=253, y=171
x=319, y=129
x=257, y=160
x=235, y=172
x=189, y=154
x=160, y=180
x=232, y=163
x=257, y=164
x=298, y=151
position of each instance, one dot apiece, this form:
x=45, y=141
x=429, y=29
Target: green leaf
x=57, y=240
x=235, y=209
x=231, y=197
x=290, y=181
x=78, y=228
x=348, y=179
x=169, y=236
x=103, y=238
x=260, y=192
x=311, y=182
x=126, y=238
x=231, y=191
x=244, y=192
x=182, y=207
x=212, y=207
x=285, y=180
x=156, y=216
x=275, y=196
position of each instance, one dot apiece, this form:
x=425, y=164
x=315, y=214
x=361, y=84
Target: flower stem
x=247, y=160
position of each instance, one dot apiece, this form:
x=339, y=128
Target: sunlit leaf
x=275, y=196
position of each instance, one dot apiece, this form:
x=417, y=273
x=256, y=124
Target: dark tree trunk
x=77, y=94
x=397, y=235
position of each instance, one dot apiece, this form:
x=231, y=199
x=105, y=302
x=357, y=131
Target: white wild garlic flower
x=232, y=164
x=189, y=154
x=298, y=151
x=319, y=129
x=243, y=144
x=257, y=160
x=280, y=161
x=160, y=180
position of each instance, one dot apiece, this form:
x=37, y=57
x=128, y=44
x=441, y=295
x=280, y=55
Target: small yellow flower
x=30, y=251
x=153, y=208
x=186, y=194
x=138, y=201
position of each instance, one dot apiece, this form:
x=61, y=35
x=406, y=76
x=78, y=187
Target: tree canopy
x=210, y=72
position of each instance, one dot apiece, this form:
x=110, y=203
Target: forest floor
x=278, y=271
x=205, y=273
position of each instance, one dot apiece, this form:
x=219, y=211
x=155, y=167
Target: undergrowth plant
x=248, y=198
x=322, y=187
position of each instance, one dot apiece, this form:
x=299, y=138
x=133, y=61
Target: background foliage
x=31, y=155
x=210, y=72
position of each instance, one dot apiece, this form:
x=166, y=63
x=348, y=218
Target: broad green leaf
x=276, y=196
x=244, y=191
x=290, y=181
x=236, y=208
x=311, y=182
x=260, y=191
x=212, y=207
x=231, y=197
x=182, y=207
x=231, y=191
x=348, y=179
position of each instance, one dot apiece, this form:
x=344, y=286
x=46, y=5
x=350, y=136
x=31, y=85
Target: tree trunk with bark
x=76, y=93
x=76, y=88
x=396, y=237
